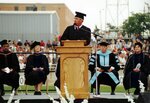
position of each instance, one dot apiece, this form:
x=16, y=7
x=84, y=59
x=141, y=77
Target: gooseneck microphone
x=95, y=35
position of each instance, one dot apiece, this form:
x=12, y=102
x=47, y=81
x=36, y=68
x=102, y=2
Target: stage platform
x=103, y=98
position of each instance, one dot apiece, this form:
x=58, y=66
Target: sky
x=97, y=13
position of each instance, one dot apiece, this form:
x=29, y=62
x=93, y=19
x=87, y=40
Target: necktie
x=77, y=27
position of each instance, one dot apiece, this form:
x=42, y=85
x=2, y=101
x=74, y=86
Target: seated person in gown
x=107, y=68
x=133, y=73
x=9, y=68
x=37, y=68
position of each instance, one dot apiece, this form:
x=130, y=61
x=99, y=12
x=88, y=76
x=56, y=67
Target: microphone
x=96, y=35
x=138, y=66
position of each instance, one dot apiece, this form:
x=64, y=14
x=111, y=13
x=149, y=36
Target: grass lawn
x=103, y=88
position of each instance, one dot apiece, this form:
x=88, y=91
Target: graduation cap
x=80, y=15
x=103, y=43
x=139, y=44
x=3, y=42
x=34, y=44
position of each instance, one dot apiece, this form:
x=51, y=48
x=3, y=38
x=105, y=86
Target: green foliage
x=137, y=23
x=112, y=28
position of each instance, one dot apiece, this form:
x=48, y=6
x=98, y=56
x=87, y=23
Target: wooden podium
x=74, y=58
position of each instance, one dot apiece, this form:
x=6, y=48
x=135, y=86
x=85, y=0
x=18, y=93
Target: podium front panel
x=74, y=73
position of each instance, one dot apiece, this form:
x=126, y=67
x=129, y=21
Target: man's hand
x=37, y=69
x=111, y=69
x=7, y=70
x=34, y=69
x=41, y=68
x=99, y=69
x=136, y=70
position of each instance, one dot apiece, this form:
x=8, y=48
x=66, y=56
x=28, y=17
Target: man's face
x=78, y=21
x=5, y=47
x=37, y=48
x=103, y=48
x=137, y=49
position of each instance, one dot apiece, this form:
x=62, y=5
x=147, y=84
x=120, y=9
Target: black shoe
x=112, y=93
x=57, y=83
x=1, y=99
x=98, y=93
x=137, y=92
x=37, y=93
x=2, y=93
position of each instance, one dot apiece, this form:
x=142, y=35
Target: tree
x=111, y=27
x=137, y=23
x=96, y=30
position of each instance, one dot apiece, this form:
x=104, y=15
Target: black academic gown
x=70, y=33
x=9, y=60
x=36, y=61
x=131, y=78
x=84, y=33
x=104, y=78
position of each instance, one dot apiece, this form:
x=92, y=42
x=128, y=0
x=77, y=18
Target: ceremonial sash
x=113, y=77
x=92, y=80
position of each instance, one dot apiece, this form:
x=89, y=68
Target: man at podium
x=77, y=31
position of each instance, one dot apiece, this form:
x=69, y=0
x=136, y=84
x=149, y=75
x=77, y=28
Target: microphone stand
x=95, y=35
x=96, y=66
x=96, y=62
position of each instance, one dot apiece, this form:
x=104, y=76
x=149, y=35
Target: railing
x=51, y=56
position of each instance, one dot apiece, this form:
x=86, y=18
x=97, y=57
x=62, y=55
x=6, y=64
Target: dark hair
x=35, y=43
x=139, y=44
x=3, y=42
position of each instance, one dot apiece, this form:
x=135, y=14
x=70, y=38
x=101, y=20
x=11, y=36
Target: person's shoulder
x=131, y=56
x=43, y=55
x=113, y=55
x=146, y=55
x=1, y=53
x=70, y=26
x=31, y=56
x=85, y=27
